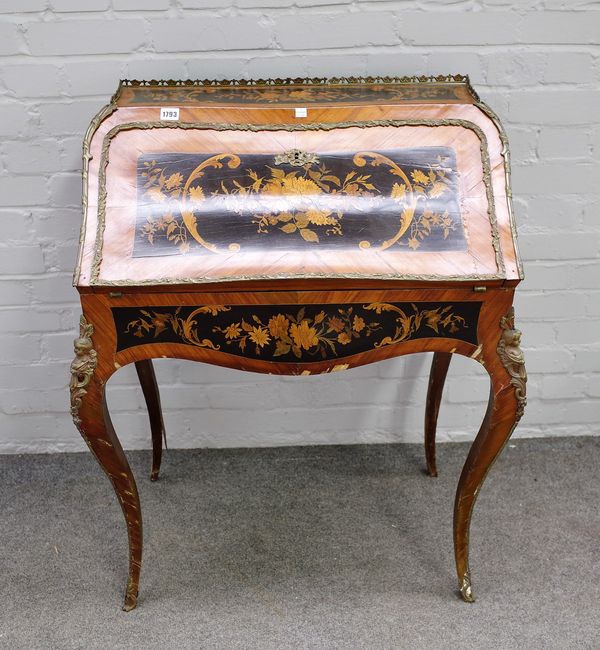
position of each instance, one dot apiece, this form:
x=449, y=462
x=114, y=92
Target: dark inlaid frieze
x=296, y=333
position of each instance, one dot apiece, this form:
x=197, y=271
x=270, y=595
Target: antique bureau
x=296, y=226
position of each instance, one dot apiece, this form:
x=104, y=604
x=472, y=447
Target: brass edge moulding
x=482, y=106
x=301, y=81
x=102, y=114
x=513, y=359
x=328, y=126
x=82, y=367
x=305, y=276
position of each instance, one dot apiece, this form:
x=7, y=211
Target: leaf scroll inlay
x=296, y=333
x=369, y=199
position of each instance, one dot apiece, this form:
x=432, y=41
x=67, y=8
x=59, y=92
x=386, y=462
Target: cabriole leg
x=90, y=415
x=506, y=367
x=145, y=371
x=437, y=378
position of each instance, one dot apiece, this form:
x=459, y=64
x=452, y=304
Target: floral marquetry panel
x=211, y=204
x=406, y=198
x=295, y=333
x=389, y=180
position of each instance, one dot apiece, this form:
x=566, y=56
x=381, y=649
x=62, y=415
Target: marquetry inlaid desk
x=296, y=227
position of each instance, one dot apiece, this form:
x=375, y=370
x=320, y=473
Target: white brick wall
x=537, y=62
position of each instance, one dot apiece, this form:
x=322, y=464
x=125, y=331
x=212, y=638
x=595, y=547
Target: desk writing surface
x=389, y=184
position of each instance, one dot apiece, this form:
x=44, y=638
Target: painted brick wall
x=535, y=61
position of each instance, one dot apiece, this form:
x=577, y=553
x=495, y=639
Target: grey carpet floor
x=305, y=547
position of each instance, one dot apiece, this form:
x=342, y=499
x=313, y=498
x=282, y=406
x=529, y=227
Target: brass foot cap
x=466, y=591
x=130, y=601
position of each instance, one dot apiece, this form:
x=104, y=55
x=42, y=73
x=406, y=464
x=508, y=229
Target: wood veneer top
x=447, y=89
